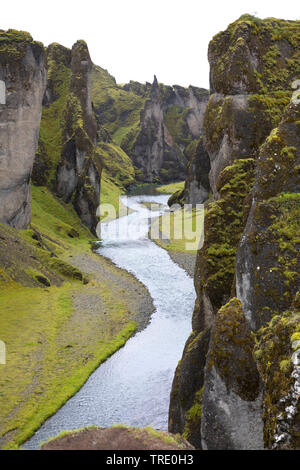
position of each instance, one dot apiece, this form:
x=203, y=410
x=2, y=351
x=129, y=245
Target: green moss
x=223, y=227
x=176, y=122
x=52, y=122
x=192, y=419
x=274, y=70
x=13, y=45
x=275, y=367
x=286, y=365
x=170, y=188
x=280, y=216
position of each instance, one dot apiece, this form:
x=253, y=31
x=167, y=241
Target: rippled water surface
x=133, y=386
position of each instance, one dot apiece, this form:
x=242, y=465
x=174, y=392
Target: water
x=133, y=386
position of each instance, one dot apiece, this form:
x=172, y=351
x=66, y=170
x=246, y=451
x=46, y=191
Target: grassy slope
x=120, y=109
x=52, y=347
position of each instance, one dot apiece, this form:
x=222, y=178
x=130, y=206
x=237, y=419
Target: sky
x=135, y=39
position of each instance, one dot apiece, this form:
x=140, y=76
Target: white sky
x=135, y=39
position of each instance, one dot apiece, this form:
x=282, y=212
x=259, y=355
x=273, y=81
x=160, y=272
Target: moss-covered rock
x=223, y=226
x=23, y=81
x=278, y=366
x=118, y=437
x=253, y=64
x=254, y=55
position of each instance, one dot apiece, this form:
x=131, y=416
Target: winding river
x=133, y=386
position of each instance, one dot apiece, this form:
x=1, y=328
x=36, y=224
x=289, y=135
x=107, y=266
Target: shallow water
x=133, y=386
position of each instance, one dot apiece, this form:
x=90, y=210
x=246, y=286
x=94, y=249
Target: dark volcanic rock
x=172, y=117
x=232, y=398
x=79, y=168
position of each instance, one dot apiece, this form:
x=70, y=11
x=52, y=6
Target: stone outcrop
x=248, y=268
x=158, y=126
x=252, y=66
x=117, y=438
x=171, y=119
x=197, y=187
x=23, y=81
x=67, y=159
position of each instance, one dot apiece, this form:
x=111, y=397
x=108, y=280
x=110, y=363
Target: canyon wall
x=171, y=120
x=22, y=83
x=237, y=385
x=67, y=159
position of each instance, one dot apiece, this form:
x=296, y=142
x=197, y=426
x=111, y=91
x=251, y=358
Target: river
x=133, y=386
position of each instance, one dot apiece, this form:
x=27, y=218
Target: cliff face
x=22, y=84
x=67, y=158
x=156, y=125
x=247, y=272
x=197, y=187
x=171, y=119
x=79, y=169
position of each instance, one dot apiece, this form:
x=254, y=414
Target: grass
x=179, y=231
x=170, y=188
x=52, y=344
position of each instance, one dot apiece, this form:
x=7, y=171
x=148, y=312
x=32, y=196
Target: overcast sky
x=135, y=39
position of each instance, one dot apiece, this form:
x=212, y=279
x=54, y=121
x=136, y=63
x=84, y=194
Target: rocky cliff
x=237, y=385
x=155, y=124
x=67, y=158
x=22, y=86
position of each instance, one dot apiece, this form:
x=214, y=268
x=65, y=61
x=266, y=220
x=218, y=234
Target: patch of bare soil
x=117, y=438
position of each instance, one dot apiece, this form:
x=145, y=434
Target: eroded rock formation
x=23, y=81
x=236, y=401
x=67, y=159
x=171, y=119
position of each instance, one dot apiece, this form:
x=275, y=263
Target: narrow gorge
x=104, y=324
